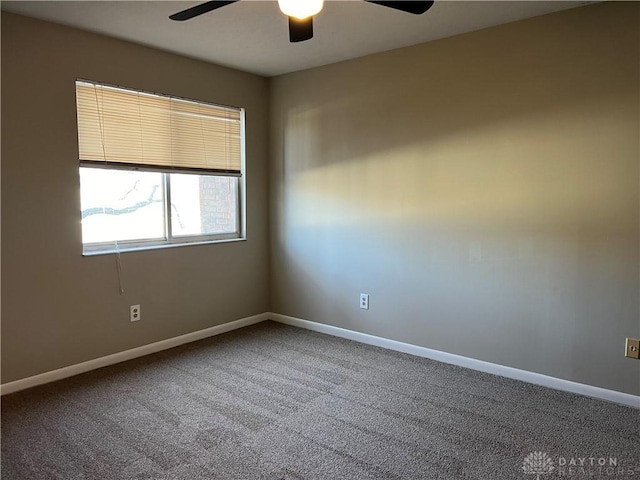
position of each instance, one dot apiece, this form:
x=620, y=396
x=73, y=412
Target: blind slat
x=120, y=126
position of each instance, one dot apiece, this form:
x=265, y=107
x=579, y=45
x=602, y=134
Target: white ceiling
x=252, y=35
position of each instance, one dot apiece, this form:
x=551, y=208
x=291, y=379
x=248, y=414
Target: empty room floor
x=277, y=402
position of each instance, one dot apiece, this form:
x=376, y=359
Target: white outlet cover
x=364, y=301
x=134, y=313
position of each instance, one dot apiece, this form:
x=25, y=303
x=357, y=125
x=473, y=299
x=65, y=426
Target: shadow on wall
x=489, y=207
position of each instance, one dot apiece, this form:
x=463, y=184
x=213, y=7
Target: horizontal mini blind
x=122, y=128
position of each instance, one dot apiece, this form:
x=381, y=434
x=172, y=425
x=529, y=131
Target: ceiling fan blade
x=300, y=30
x=415, y=7
x=199, y=9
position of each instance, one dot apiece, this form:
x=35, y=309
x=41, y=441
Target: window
x=157, y=170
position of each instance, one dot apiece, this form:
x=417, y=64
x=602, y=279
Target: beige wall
x=482, y=189
x=59, y=308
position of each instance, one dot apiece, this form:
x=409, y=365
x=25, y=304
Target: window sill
x=141, y=248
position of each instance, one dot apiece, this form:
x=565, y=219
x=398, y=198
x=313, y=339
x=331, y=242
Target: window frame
x=170, y=240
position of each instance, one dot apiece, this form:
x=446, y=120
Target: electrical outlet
x=134, y=313
x=364, y=301
x=632, y=348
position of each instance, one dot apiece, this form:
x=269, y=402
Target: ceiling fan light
x=300, y=9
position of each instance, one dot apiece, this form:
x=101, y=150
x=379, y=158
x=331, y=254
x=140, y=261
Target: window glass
x=121, y=205
x=203, y=204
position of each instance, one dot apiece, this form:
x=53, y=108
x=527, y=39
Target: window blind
x=122, y=128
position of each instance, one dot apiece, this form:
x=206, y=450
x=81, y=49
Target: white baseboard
x=83, y=367
x=510, y=372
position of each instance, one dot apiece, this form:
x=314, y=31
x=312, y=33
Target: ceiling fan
x=301, y=12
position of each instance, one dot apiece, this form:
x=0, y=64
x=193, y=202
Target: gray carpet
x=276, y=402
